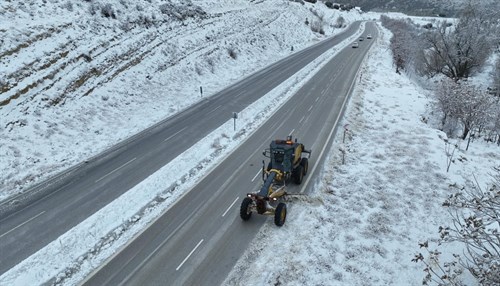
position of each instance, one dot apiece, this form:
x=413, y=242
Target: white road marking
x=258, y=173
x=216, y=108
x=291, y=132
x=317, y=98
x=174, y=134
x=302, y=119
x=189, y=255
x=230, y=207
x=116, y=169
x=22, y=224
x=310, y=108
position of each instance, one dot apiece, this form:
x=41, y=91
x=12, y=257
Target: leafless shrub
x=126, y=25
x=198, y=69
x=124, y=3
x=93, y=9
x=317, y=14
x=475, y=225
x=232, y=53
x=317, y=27
x=469, y=105
x=438, y=272
x=211, y=64
x=145, y=21
x=495, y=89
x=404, y=42
x=458, y=51
x=340, y=23
x=108, y=11
x=216, y=144
x=68, y=6
x=182, y=12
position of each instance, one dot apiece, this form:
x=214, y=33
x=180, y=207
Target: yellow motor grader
x=286, y=164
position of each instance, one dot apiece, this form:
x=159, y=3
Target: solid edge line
x=349, y=93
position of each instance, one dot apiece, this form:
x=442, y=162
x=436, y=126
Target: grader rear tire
x=298, y=175
x=305, y=164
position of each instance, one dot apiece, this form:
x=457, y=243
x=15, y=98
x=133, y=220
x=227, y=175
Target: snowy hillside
x=77, y=77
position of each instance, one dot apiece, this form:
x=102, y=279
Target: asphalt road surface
x=35, y=218
x=199, y=239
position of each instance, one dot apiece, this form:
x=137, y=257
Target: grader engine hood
x=264, y=190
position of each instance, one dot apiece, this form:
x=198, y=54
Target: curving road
x=35, y=218
x=198, y=240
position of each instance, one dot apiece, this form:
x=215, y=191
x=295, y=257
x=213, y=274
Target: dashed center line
x=116, y=169
x=302, y=119
x=216, y=108
x=22, y=224
x=174, y=134
x=235, y=200
x=258, y=173
x=189, y=255
x=310, y=108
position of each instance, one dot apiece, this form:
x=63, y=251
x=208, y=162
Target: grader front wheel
x=245, y=209
x=280, y=214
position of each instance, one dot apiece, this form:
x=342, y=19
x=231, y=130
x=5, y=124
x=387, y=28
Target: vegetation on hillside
x=453, y=52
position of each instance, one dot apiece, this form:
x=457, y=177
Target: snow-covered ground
x=359, y=226
x=75, y=83
x=362, y=223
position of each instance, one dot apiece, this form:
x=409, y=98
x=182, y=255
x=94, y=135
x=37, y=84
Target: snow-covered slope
x=359, y=226
x=74, y=82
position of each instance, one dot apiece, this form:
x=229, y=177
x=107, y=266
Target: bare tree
x=340, y=23
x=495, y=88
x=476, y=225
x=476, y=220
x=458, y=50
x=404, y=43
x=469, y=105
x=495, y=124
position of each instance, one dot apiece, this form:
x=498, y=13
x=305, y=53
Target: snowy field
x=362, y=223
x=363, y=220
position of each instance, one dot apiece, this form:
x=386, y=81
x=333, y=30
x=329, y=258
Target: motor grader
x=286, y=164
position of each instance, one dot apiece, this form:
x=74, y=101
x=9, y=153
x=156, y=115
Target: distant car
x=369, y=36
x=355, y=45
x=360, y=39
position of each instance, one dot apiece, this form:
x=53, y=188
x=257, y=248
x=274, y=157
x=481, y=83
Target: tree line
x=451, y=52
x=454, y=51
